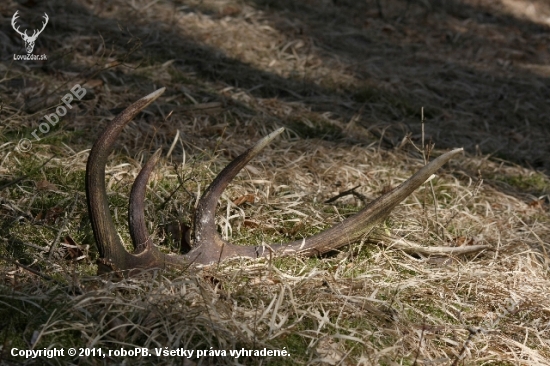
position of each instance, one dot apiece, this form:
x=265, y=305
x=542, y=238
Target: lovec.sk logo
x=29, y=40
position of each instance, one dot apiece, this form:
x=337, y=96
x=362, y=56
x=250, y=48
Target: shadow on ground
x=479, y=73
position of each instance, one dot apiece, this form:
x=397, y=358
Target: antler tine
x=109, y=245
x=136, y=209
x=355, y=227
x=209, y=246
x=206, y=208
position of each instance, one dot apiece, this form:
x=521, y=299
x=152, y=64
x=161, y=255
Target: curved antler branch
x=210, y=247
x=111, y=250
x=136, y=209
x=355, y=227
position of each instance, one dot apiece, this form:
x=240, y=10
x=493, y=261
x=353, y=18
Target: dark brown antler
x=209, y=247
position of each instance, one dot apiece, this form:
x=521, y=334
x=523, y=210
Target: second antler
x=208, y=246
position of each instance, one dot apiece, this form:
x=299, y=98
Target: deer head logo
x=29, y=40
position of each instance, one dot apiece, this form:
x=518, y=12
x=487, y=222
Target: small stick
x=31, y=270
x=347, y=193
x=63, y=226
x=427, y=150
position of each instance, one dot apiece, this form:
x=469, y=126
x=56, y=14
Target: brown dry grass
x=348, y=82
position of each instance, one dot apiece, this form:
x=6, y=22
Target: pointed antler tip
x=455, y=151
x=154, y=95
x=260, y=145
x=157, y=154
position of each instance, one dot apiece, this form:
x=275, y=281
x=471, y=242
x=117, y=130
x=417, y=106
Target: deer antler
x=209, y=247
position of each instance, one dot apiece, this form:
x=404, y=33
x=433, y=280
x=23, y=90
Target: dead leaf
x=247, y=198
x=50, y=215
x=44, y=185
x=461, y=241
x=73, y=251
x=295, y=228
x=538, y=204
x=251, y=223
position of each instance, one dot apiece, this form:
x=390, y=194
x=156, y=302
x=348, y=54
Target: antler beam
x=209, y=247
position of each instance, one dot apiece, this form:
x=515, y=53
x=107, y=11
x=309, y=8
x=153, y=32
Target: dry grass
x=347, y=82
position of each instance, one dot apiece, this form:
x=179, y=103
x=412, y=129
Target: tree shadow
x=479, y=74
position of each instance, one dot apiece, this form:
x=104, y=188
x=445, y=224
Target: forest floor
x=350, y=81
